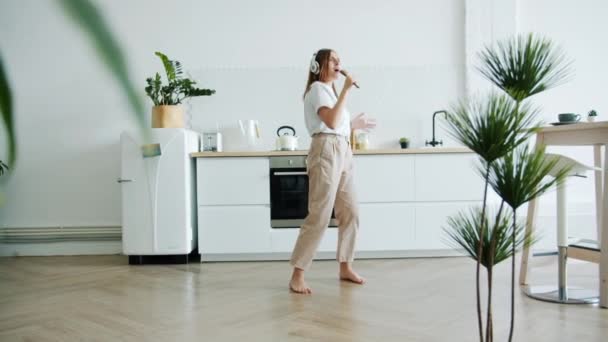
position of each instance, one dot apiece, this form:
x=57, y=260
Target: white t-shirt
x=322, y=95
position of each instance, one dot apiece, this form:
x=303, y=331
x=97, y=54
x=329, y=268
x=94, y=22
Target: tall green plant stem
x=512, y=323
x=512, y=326
x=490, y=266
x=479, y=251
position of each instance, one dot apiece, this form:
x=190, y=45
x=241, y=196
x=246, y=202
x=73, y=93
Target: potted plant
x=167, y=112
x=497, y=129
x=404, y=142
x=591, y=116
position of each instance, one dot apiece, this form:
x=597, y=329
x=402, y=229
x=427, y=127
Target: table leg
x=530, y=222
x=597, y=162
x=604, y=240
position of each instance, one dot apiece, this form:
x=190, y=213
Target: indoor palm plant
x=167, y=111
x=498, y=129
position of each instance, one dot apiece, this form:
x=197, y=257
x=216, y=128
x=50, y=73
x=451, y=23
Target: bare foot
x=347, y=273
x=297, y=283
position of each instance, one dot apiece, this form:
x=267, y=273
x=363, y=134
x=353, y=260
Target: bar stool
x=585, y=249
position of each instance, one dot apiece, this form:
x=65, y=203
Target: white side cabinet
x=233, y=205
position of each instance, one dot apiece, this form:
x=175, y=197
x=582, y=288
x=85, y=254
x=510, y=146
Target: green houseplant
x=404, y=142
x=497, y=129
x=167, y=98
x=591, y=116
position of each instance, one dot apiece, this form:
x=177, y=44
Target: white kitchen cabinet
x=384, y=178
x=431, y=218
x=233, y=181
x=386, y=226
x=382, y=226
x=234, y=229
x=284, y=239
x=447, y=177
x=404, y=201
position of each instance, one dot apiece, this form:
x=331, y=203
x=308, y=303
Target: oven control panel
x=288, y=162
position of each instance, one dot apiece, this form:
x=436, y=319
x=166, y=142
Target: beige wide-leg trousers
x=330, y=178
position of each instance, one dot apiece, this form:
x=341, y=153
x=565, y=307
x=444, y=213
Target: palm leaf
x=492, y=128
x=464, y=230
x=524, y=66
x=6, y=109
x=85, y=14
x=522, y=175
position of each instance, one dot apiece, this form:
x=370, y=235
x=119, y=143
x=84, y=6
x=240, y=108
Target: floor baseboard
x=61, y=248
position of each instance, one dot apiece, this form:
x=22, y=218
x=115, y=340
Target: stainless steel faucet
x=434, y=142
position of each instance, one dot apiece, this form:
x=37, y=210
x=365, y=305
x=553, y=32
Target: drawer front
x=232, y=181
x=384, y=178
x=432, y=219
x=227, y=229
x=449, y=177
x=386, y=226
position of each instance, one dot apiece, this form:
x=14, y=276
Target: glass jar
x=362, y=141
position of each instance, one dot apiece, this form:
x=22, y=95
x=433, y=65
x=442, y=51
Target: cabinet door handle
x=120, y=180
x=295, y=173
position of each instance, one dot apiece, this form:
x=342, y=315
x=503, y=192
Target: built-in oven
x=289, y=192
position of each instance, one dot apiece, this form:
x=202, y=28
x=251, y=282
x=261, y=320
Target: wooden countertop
x=580, y=126
x=427, y=150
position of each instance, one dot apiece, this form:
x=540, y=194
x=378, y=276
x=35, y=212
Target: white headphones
x=314, y=65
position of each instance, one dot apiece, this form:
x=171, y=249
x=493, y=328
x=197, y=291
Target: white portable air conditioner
x=158, y=194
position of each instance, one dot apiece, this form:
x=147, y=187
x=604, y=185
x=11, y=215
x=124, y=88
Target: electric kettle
x=285, y=140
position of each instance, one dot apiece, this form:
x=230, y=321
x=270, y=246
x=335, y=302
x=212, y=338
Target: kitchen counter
x=424, y=150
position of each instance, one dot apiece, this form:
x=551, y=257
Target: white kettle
x=285, y=140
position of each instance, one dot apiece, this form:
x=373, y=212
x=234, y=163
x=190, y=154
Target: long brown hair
x=322, y=57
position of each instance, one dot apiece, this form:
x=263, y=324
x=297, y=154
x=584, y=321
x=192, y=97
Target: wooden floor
x=101, y=298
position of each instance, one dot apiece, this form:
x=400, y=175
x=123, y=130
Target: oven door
x=289, y=198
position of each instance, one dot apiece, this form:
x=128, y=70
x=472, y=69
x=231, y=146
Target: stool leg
x=562, y=289
x=562, y=239
x=562, y=294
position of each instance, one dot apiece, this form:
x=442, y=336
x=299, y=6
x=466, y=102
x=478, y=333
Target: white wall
x=409, y=57
x=580, y=29
x=576, y=28
x=69, y=111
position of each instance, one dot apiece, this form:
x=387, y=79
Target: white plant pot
x=591, y=118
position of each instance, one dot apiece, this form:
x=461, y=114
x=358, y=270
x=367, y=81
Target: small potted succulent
x=404, y=142
x=591, y=115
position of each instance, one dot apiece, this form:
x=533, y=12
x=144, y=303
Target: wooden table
x=580, y=134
